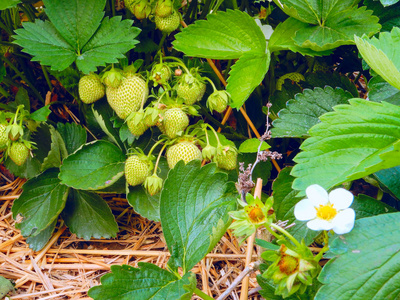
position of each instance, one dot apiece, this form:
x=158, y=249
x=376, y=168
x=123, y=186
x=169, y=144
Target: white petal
x=344, y=221
x=304, y=210
x=317, y=195
x=319, y=224
x=341, y=198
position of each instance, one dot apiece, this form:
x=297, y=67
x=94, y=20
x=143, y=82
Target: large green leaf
x=36, y=243
x=194, y=210
x=322, y=79
x=142, y=202
x=76, y=21
x=245, y=75
x=388, y=17
x=88, y=215
x=148, y=282
x=58, y=150
x=304, y=111
x=112, y=40
x=94, y=166
x=366, y=264
x=353, y=141
x=282, y=38
x=8, y=4
x=5, y=287
x=74, y=35
x=225, y=35
x=284, y=201
x=74, y=136
x=379, y=90
x=339, y=29
x=381, y=55
x=29, y=169
x=389, y=179
x=42, y=200
x=366, y=206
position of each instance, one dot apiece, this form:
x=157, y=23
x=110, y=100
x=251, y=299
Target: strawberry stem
x=158, y=159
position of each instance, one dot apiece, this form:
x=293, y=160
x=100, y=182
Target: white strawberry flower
x=326, y=212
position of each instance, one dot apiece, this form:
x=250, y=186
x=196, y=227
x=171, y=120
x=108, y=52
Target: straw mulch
x=68, y=266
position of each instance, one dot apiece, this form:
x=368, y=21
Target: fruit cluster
x=175, y=94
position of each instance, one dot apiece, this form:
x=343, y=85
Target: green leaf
x=338, y=30
x=4, y=5
x=42, y=40
x=103, y=114
x=94, y=166
x=380, y=54
x=367, y=264
x=112, y=40
x=141, y=201
x=304, y=111
x=285, y=199
x=388, y=2
x=42, y=200
x=76, y=21
x=225, y=35
x=282, y=38
x=279, y=98
x=37, y=243
x=251, y=146
x=366, y=206
x=245, y=75
x=74, y=136
x=194, y=210
x=353, y=141
x=5, y=287
x=22, y=98
x=321, y=79
x=57, y=152
x=389, y=179
x=29, y=169
x=144, y=283
x=83, y=206
x=388, y=17
x=41, y=114
x=379, y=90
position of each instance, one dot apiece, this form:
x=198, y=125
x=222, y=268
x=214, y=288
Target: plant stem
x=279, y=228
x=46, y=75
x=158, y=159
x=154, y=147
x=162, y=41
x=202, y=294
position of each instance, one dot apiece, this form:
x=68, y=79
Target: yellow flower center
x=256, y=215
x=326, y=212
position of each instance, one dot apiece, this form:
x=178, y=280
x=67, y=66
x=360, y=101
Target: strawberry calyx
x=113, y=77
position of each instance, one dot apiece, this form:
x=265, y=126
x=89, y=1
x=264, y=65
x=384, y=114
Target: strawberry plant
x=163, y=102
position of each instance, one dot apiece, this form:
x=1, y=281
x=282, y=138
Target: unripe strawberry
x=164, y=8
x=142, y=10
x=296, y=77
x=90, y=88
x=168, y=24
x=190, y=90
x=3, y=137
x=153, y=184
x=112, y=78
x=128, y=96
x=218, y=101
x=161, y=73
x=136, y=170
x=185, y=151
x=136, y=129
x=151, y=116
x=18, y=153
x=227, y=158
x=175, y=121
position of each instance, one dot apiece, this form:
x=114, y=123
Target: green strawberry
x=190, y=89
x=113, y=77
x=136, y=170
x=227, y=158
x=128, y=96
x=164, y=8
x=168, y=24
x=183, y=150
x=175, y=121
x=90, y=88
x=151, y=116
x=135, y=123
x=218, y=101
x=296, y=77
x=18, y=153
x=3, y=137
